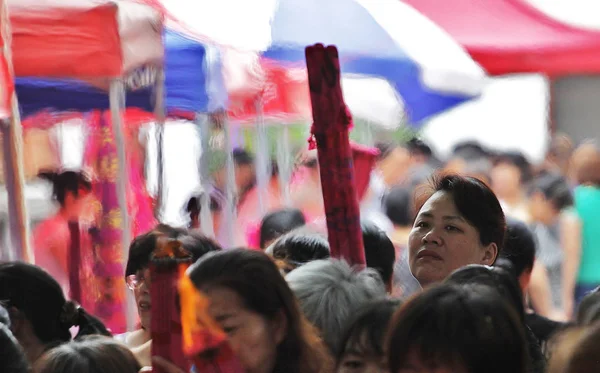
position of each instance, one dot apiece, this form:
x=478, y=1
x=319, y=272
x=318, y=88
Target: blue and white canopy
x=377, y=40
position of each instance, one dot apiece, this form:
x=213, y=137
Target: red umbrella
x=331, y=124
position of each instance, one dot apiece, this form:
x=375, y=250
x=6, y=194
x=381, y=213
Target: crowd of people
x=481, y=263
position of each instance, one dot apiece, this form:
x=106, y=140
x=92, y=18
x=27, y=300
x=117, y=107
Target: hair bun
x=70, y=314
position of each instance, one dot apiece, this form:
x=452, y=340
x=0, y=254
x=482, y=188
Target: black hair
x=520, y=246
x=398, y=206
x=380, y=252
x=476, y=202
x=500, y=277
x=470, y=151
x=417, y=146
x=32, y=291
x=555, y=189
x=588, y=311
x=242, y=157
x=300, y=247
x=385, y=149
x=263, y=290
x=518, y=160
x=455, y=327
x=366, y=331
x=144, y=245
x=278, y=223
x=65, y=182
x=12, y=357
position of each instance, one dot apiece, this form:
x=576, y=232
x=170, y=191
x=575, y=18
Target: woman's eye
x=421, y=224
x=451, y=228
x=229, y=329
x=353, y=364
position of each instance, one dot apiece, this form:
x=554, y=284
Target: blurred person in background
x=577, y=351
x=588, y=311
x=558, y=155
x=398, y=204
x=52, y=237
x=298, y=248
x=279, y=223
x=509, y=176
x=380, y=252
x=330, y=292
x=587, y=204
x=520, y=250
x=558, y=232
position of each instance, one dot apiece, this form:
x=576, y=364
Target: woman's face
x=540, y=209
x=253, y=338
x=142, y=297
x=442, y=241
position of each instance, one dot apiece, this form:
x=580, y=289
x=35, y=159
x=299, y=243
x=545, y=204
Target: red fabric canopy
x=510, y=36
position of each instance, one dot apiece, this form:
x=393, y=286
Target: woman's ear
x=490, y=253
x=279, y=327
x=16, y=320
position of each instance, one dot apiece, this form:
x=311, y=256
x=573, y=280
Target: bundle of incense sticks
x=331, y=124
x=167, y=262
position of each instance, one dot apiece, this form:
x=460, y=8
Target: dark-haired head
x=12, y=357
x=519, y=248
x=457, y=329
x=549, y=195
x=91, y=354
x=499, y=277
x=459, y=222
x=470, y=151
x=398, y=206
x=68, y=186
x=278, y=223
x=364, y=337
x=380, y=252
x=254, y=304
x=137, y=271
x=39, y=313
x=298, y=248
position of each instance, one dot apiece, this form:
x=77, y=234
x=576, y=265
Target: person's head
x=577, y=350
x=298, y=248
x=460, y=222
x=363, y=339
x=463, y=154
x=519, y=248
x=559, y=152
x=194, y=207
x=91, y=355
x=380, y=252
x=549, y=195
x=330, y=292
x=278, y=223
x=511, y=171
x=585, y=165
x=393, y=162
x=244, y=169
x=70, y=189
x=254, y=305
x=12, y=357
x=588, y=311
x=452, y=329
x=500, y=278
x=39, y=313
x=137, y=272
x=419, y=151
x=398, y=206
x=479, y=169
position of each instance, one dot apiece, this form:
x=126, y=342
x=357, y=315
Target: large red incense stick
x=167, y=261
x=75, y=262
x=331, y=124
